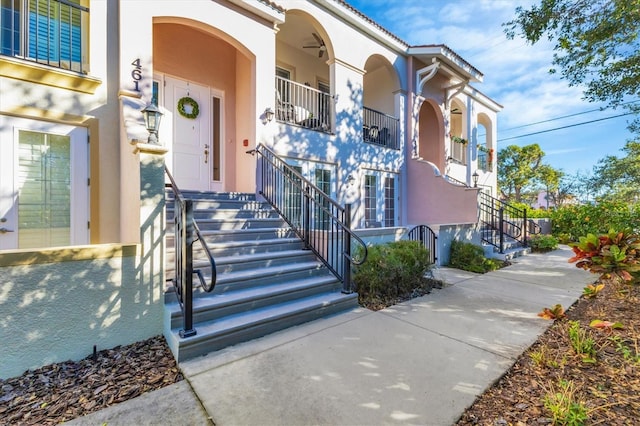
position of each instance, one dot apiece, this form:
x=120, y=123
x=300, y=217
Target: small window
x=51, y=32
x=389, y=201
x=370, y=196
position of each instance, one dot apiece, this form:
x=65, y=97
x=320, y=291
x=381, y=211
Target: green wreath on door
x=195, y=108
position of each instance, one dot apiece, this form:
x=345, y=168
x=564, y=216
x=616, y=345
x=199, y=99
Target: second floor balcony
x=379, y=128
x=303, y=105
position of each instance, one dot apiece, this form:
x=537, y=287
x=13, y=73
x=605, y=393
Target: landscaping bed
x=601, y=386
x=63, y=391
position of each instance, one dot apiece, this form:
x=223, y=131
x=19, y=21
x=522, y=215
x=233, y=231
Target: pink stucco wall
x=434, y=201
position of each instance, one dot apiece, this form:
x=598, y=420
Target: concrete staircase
x=265, y=282
x=512, y=248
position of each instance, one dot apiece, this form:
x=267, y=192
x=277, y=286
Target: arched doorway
x=431, y=134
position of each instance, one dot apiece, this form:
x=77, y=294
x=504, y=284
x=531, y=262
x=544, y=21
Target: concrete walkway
x=420, y=362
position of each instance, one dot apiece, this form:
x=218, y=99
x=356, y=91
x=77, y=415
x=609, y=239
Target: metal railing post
x=187, y=278
x=346, y=259
x=501, y=224
x=525, y=225
x=307, y=217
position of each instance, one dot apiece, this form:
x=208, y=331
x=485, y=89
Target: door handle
x=206, y=154
x=5, y=230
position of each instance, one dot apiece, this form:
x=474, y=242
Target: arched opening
x=381, y=125
x=458, y=137
x=203, y=84
x=303, y=81
x=484, y=142
x=431, y=134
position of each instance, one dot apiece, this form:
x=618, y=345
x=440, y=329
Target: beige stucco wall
x=56, y=304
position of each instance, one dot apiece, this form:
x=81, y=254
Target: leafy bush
x=612, y=255
x=391, y=271
x=531, y=213
x=469, y=257
x=570, y=222
x=543, y=243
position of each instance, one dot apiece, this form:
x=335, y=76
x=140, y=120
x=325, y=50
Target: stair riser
x=228, y=214
x=238, y=196
x=209, y=313
x=203, y=344
x=246, y=265
x=227, y=205
x=222, y=251
x=224, y=284
x=235, y=224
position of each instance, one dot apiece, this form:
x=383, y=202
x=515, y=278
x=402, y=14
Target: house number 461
x=136, y=74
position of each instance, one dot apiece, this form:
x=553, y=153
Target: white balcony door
x=43, y=184
x=192, y=148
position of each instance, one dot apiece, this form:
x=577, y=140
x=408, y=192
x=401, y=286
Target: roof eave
x=453, y=61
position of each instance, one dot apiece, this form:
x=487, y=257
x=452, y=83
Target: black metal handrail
x=428, y=239
x=379, y=128
x=500, y=220
x=323, y=224
x=186, y=233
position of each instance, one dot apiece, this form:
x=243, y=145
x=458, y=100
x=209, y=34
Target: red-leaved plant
x=613, y=255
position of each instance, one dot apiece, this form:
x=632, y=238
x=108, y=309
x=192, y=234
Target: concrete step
x=228, y=214
x=207, y=195
x=235, y=224
x=215, y=306
x=217, y=334
x=228, y=264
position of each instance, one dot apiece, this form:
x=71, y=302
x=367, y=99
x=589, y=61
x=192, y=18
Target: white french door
x=44, y=193
x=195, y=144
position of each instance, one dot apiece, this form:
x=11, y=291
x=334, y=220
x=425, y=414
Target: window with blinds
x=44, y=189
x=53, y=32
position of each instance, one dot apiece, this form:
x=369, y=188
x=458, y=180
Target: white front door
x=192, y=147
x=43, y=184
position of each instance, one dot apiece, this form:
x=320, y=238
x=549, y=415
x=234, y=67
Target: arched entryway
x=381, y=110
x=431, y=135
x=203, y=84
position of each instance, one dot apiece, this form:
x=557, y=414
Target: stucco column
x=152, y=216
x=347, y=83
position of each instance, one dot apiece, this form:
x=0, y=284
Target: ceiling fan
x=320, y=45
x=456, y=111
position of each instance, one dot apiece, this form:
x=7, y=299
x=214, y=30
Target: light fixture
x=268, y=114
x=350, y=179
x=152, y=116
x=475, y=177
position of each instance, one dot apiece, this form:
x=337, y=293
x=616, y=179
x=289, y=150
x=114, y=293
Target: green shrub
x=391, y=271
x=469, y=257
x=543, y=243
x=576, y=221
x=531, y=213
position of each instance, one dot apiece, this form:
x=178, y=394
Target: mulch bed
x=63, y=391
x=608, y=389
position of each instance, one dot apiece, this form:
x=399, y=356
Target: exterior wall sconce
x=350, y=179
x=152, y=116
x=268, y=115
x=475, y=177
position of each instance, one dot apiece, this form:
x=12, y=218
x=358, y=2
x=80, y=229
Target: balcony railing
x=51, y=32
x=303, y=105
x=379, y=128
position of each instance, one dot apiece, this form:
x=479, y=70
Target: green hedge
x=470, y=257
x=393, y=270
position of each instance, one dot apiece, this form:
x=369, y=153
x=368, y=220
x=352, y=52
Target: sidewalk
x=420, y=362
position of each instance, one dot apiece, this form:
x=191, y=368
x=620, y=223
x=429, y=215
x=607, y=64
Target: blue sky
x=515, y=75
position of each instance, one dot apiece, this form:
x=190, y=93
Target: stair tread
x=231, y=323
x=213, y=300
x=224, y=260
x=270, y=270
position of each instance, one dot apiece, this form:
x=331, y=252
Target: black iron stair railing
x=427, y=238
x=186, y=233
x=322, y=224
x=500, y=220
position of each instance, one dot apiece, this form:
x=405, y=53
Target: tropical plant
x=543, y=243
x=613, y=255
